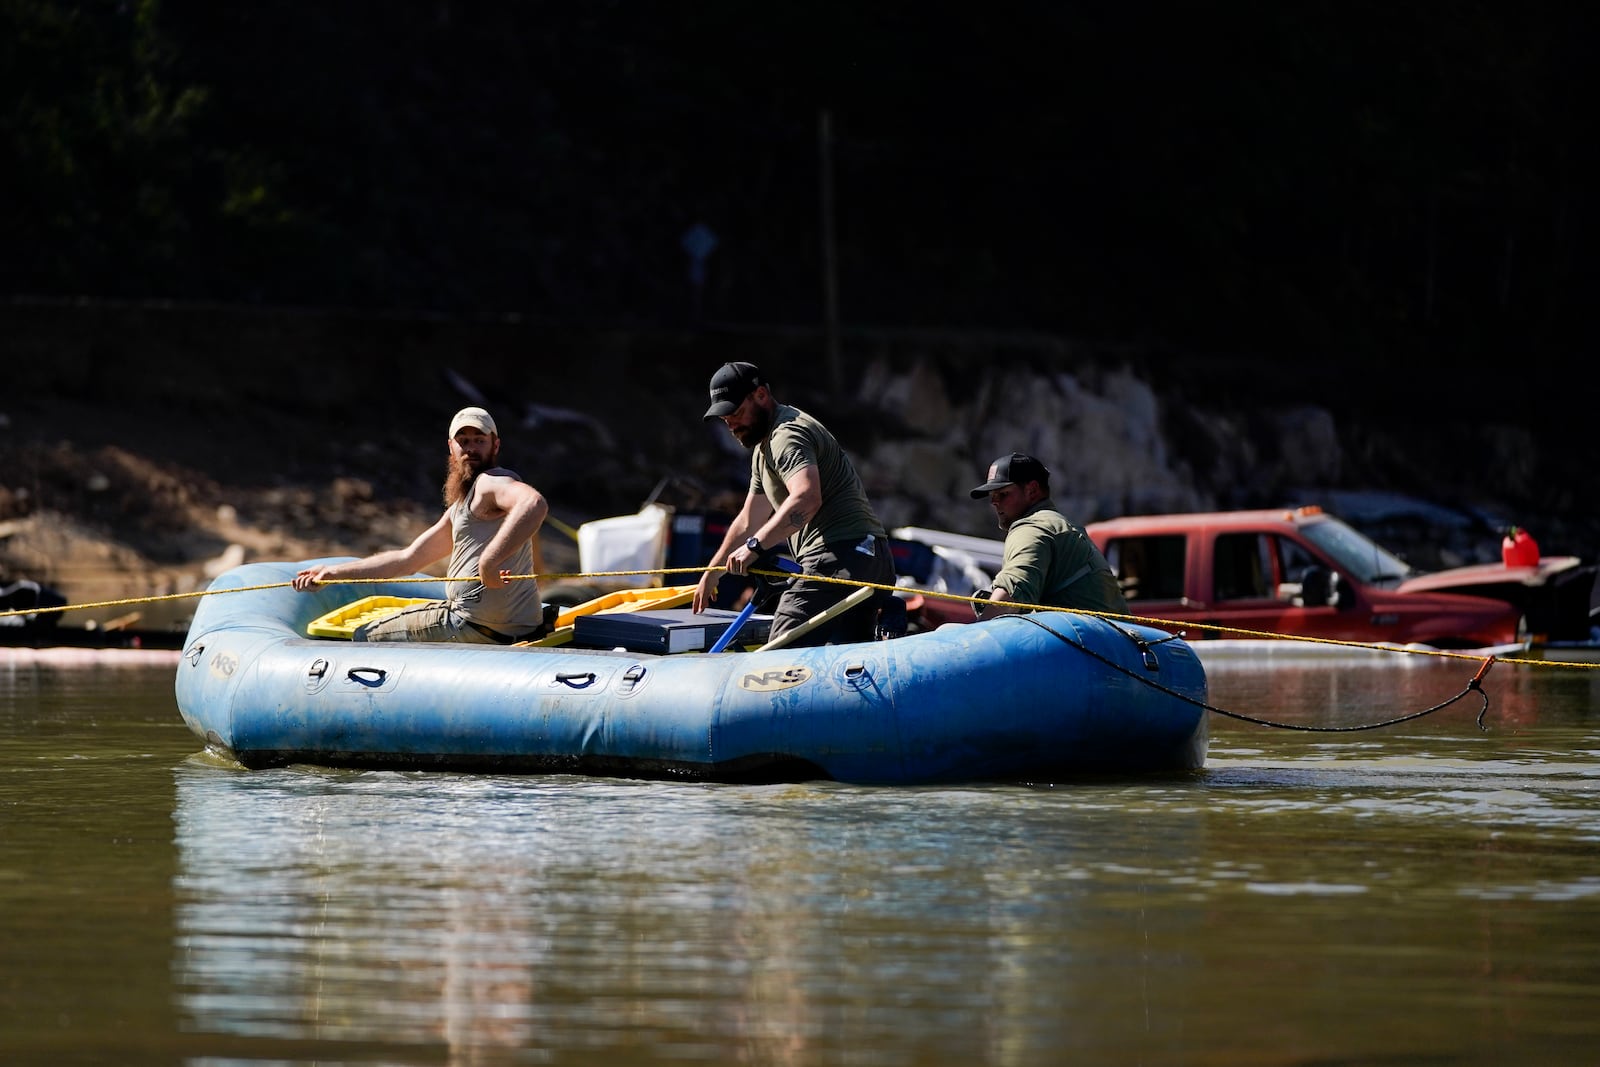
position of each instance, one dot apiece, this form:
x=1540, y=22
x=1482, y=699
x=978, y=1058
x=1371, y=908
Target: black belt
x=550, y=611
x=494, y=635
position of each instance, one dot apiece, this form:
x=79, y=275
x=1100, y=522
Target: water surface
x=1425, y=893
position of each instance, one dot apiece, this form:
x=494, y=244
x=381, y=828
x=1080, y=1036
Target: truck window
x=1148, y=568
x=1243, y=567
x=1294, y=560
x=1354, y=553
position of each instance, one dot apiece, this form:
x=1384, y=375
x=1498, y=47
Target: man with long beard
x=804, y=488
x=490, y=518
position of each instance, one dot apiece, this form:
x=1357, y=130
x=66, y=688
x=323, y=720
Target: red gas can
x=1519, y=549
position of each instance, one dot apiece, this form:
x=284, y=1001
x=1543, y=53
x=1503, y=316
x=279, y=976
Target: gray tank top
x=514, y=609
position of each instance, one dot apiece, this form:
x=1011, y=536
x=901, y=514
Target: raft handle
x=572, y=679
x=372, y=677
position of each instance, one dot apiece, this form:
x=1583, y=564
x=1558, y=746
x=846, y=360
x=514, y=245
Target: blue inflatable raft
x=1016, y=699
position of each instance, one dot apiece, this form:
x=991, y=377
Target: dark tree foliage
x=1351, y=180
x=98, y=149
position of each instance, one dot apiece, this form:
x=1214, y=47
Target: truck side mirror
x=1319, y=587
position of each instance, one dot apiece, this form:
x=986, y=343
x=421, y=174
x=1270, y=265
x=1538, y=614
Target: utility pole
x=830, y=275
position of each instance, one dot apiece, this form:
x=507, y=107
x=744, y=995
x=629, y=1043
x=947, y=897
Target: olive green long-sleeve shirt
x=1050, y=561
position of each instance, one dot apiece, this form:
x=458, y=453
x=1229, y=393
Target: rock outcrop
x=180, y=438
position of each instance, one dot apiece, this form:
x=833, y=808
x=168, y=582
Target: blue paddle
x=783, y=563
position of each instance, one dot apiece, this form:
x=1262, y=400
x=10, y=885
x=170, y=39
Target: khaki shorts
x=423, y=622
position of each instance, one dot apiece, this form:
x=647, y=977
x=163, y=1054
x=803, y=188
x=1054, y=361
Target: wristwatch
x=754, y=544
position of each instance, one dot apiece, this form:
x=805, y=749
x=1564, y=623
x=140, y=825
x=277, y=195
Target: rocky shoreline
x=135, y=466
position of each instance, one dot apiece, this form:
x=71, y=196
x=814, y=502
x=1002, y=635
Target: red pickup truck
x=1297, y=571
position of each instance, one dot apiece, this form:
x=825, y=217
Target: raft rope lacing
x=1144, y=647
x=1178, y=627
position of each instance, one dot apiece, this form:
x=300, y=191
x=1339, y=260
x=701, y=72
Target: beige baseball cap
x=476, y=417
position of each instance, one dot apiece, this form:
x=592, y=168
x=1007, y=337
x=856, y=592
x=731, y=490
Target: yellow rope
x=561, y=527
x=138, y=600
x=1172, y=624
x=1145, y=620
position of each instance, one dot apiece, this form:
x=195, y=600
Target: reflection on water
x=682, y=919
x=1422, y=893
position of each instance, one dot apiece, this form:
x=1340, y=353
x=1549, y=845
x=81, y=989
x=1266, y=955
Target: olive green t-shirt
x=1050, y=561
x=797, y=440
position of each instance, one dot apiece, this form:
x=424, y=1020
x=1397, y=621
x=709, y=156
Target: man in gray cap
x=1048, y=561
x=490, y=519
x=803, y=488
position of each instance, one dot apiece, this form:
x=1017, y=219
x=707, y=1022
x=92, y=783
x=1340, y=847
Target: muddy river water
x=1424, y=893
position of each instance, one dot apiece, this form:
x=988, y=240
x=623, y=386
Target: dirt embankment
x=142, y=450
x=106, y=524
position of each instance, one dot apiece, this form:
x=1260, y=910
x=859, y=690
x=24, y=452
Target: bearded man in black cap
x=803, y=488
x=1048, y=560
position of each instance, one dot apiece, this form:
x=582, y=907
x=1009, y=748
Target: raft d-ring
x=632, y=678
x=856, y=676
x=194, y=654
x=572, y=680
x=317, y=675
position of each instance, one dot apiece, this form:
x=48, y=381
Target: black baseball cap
x=730, y=385
x=1014, y=469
